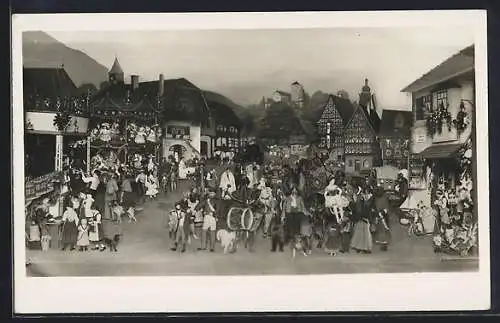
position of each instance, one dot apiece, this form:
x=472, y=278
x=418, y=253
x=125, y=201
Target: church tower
x=365, y=97
x=116, y=74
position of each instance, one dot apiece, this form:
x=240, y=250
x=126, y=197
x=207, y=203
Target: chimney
x=161, y=83
x=134, y=81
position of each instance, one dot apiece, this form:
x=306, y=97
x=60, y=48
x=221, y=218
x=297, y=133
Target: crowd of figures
x=95, y=204
x=347, y=214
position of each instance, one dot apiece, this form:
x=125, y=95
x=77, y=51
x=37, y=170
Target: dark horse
x=321, y=218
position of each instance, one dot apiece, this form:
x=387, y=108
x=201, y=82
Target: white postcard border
x=356, y=292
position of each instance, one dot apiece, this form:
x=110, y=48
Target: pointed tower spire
x=116, y=74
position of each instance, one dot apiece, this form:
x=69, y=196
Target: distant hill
x=42, y=50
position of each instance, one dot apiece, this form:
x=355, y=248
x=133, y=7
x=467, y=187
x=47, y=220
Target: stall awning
x=440, y=151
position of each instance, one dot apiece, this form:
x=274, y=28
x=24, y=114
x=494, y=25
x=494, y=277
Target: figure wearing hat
x=208, y=235
x=182, y=230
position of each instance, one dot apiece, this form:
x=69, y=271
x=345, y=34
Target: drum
x=239, y=218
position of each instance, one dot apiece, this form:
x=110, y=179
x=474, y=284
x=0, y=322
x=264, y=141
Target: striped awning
x=440, y=151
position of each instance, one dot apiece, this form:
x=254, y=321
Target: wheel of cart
x=243, y=221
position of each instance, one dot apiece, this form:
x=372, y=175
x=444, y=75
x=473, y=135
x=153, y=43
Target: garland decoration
x=63, y=116
x=438, y=119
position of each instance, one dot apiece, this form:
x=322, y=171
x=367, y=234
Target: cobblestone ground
x=145, y=251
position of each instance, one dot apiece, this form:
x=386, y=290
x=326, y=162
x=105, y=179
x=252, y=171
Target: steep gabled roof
x=388, y=123
x=47, y=82
x=223, y=114
x=364, y=113
x=457, y=64
x=343, y=106
x=144, y=99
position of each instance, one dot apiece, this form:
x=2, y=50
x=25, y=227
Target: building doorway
x=204, y=148
x=177, y=151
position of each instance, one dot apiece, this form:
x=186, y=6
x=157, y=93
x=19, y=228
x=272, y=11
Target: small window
x=357, y=165
x=350, y=163
x=366, y=164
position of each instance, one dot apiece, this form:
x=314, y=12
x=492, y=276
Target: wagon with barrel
x=244, y=218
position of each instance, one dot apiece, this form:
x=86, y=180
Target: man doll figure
x=208, y=235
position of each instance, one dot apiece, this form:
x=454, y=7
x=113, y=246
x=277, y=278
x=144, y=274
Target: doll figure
x=115, y=131
x=159, y=133
x=105, y=133
x=82, y=240
x=140, y=136
x=151, y=135
x=87, y=205
x=137, y=161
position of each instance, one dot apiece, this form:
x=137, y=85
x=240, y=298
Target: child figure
x=87, y=205
x=118, y=212
x=83, y=241
x=45, y=240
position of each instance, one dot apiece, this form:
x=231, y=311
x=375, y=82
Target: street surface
x=145, y=251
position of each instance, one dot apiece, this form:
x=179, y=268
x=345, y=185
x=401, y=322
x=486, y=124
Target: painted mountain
x=41, y=50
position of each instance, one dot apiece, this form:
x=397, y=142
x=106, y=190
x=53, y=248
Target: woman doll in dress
x=362, y=238
x=69, y=229
x=95, y=230
x=82, y=240
x=151, y=186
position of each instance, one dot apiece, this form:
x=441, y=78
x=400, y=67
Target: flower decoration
x=438, y=119
x=462, y=120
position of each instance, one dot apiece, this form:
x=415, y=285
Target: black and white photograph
x=222, y=149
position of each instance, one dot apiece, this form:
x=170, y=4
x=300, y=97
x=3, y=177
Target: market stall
x=45, y=192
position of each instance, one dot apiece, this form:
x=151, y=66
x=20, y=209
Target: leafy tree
x=279, y=123
x=314, y=108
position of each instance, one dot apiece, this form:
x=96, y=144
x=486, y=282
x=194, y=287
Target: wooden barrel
x=239, y=218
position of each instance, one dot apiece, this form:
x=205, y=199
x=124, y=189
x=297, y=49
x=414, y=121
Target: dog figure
x=277, y=234
x=298, y=244
x=112, y=243
x=227, y=240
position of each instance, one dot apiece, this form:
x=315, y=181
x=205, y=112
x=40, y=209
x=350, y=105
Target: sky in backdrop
x=246, y=65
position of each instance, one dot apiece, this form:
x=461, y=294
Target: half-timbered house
x=337, y=112
x=361, y=144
